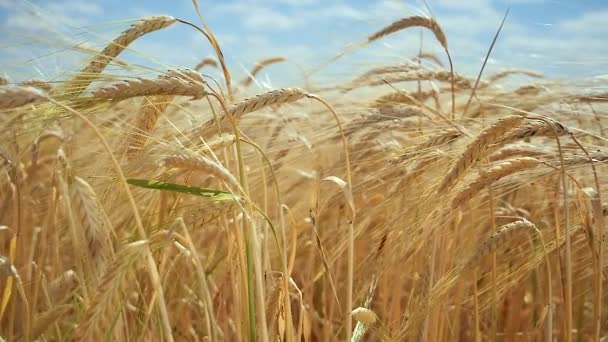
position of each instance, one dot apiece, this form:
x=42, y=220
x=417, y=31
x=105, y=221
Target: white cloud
x=266, y=19
x=258, y=17
x=75, y=7
x=342, y=11
x=593, y=23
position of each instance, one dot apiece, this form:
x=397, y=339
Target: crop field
x=408, y=202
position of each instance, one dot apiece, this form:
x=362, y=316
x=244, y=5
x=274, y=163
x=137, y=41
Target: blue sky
x=561, y=38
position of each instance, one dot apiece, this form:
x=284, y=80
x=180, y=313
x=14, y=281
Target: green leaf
x=211, y=194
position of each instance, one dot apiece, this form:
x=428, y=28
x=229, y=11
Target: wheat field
x=409, y=203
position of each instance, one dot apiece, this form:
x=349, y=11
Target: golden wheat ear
x=176, y=83
x=477, y=148
x=88, y=74
x=16, y=96
x=259, y=66
x=209, y=61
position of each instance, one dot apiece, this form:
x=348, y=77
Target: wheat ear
x=40, y=84
x=77, y=85
x=209, y=61
x=102, y=309
x=491, y=175
x=439, y=139
x=525, y=150
x=274, y=97
x=145, y=121
x=498, y=239
x=399, y=97
x=15, y=96
x=203, y=164
x=182, y=83
x=533, y=129
x=221, y=142
x=431, y=57
x=478, y=147
x=259, y=66
x=415, y=21
x=89, y=213
x=505, y=73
